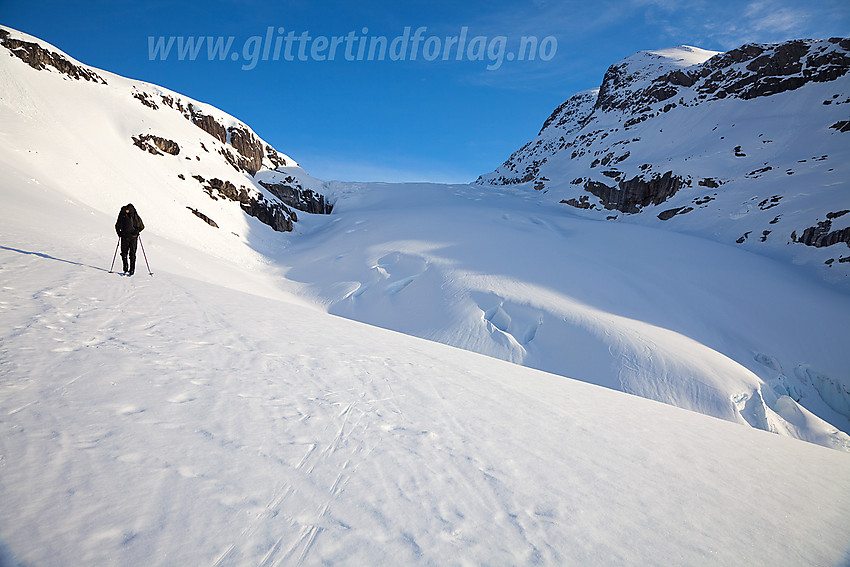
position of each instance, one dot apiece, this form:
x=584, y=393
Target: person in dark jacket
x=128, y=226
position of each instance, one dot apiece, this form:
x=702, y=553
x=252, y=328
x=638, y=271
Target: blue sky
x=434, y=118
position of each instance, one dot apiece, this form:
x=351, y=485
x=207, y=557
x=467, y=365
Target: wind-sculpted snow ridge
x=748, y=147
x=670, y=317
x=207, y=159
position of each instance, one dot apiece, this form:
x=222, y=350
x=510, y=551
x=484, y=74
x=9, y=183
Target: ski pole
x=115, y=255
x=150, y=273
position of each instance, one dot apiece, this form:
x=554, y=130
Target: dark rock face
x=248, y=156
x=143, y=145
x=632, y=195
x=146, y=99
x=39, y=58
x=216, y=188
x=571, y=113
x=249, y=150
x=615, y=80
x=206, y=123
x=275, y=158
x=582, y=202
x=841, y=126
x=203, y=217
x=670, y=213
x=769, y=70
x=299, y=198
x=249, y=147
x=156, y=145
x=272, y=214
x=772, y=69
x=821, y=235
x=276, y=215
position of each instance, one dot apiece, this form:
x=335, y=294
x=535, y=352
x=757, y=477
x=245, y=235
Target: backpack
x=129, y=222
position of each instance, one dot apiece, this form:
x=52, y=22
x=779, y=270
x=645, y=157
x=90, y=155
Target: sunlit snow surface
x=217, y=414
x=169, y=420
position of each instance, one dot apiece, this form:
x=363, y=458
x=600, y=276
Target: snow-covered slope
x=215, y=414
x=749, y=147
x=675, y=318
x=174, y=421
x=105, y=140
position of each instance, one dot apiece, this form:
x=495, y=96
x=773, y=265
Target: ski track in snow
x=209, y=370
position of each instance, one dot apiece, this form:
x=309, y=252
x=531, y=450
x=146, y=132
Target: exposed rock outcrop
x=203, y=217
x=206, y=123
x=647, y=85
x=156, y=145
x=670, y=213
x=299, y=198
x=39, y=58
x=821, y=235
x=249, y=150
x=566, y=120
x=841, y=126
x=276, y=215
x=770, y=69
x=249, y=147
x=632, y=195
x=146, y=99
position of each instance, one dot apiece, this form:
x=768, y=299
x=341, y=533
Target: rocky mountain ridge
x=708, y=142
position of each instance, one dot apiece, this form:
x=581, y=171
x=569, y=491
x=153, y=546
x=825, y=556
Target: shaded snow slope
x=670, y=317
x=171, y=420
x=749, y=148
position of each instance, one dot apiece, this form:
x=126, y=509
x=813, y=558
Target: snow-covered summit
x=683, y=55
x=635, y=73
x=749, y=147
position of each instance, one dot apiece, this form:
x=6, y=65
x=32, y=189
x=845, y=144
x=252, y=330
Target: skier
x=128, y=226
